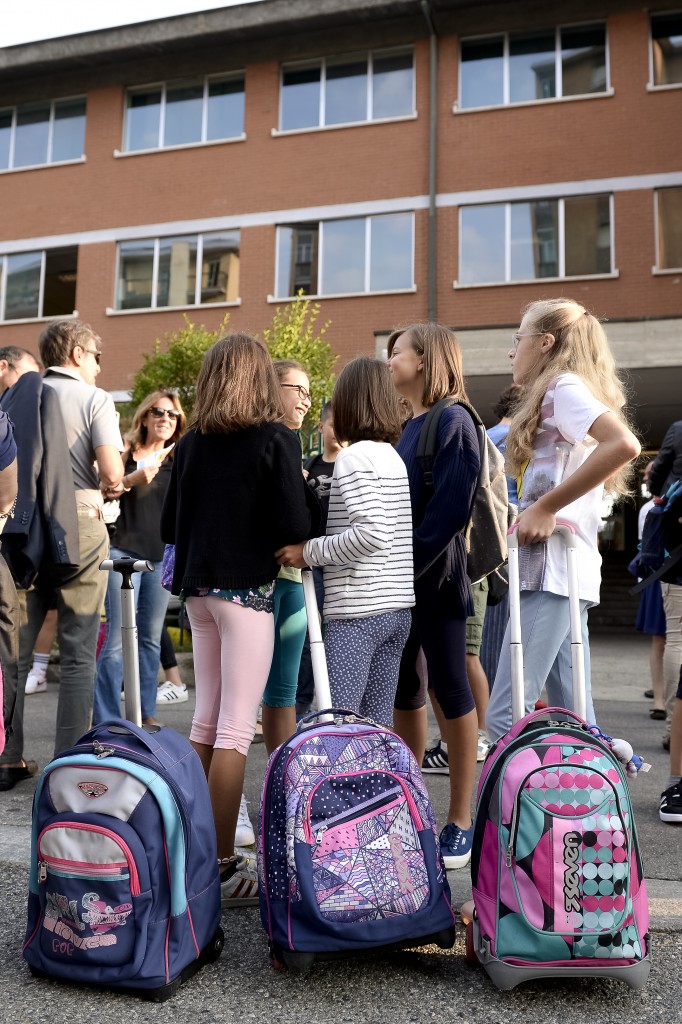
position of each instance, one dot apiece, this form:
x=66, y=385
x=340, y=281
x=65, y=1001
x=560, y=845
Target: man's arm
x=8, y=487
x=109, y=465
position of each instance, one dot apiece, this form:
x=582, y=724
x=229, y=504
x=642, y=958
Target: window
x=184, y=113
x=185, y=270
x=38, y=284
x=344, y=90
x=521, y=68
x=42, y=133
x=666, y=44
x=340, y=257
x=669, y=224
x=527, y=241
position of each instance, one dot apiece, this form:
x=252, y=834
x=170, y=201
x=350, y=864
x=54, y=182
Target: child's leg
x=279, y=699
x=382, y=678
x=560, y=678
x=232, y=654
x=350, y=646
x=545, y=627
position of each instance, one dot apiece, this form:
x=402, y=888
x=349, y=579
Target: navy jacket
x=667, y=467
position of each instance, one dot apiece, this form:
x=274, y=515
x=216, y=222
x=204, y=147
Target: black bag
x=489, y=515
x=660, y=551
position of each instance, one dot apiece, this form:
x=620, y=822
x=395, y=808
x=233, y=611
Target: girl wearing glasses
x=279, y=699
x=158, y=422
x=568, y=438
x=236, y=494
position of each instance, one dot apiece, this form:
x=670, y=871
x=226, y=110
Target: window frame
x=561, y=243
x=163, y=86
x=50, y=136
x=651, y=84
x=657, y=269
x=154, y=308
x=367, y=218
x=321, y=62
x=558, y=69
x=4, y=257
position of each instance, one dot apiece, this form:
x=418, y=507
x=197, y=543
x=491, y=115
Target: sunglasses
x=159, y=413
x=302, y=393
x=92, y=352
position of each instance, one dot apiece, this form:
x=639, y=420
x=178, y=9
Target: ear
x=547, y=342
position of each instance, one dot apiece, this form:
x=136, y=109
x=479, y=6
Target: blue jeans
x=151, y=602
x=546, y=642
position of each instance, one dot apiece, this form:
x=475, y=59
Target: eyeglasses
x=91, y=351
x=158, y=413
x=516, y=338
x=302, y=393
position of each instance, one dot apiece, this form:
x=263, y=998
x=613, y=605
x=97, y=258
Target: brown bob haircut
x=365, y=405
x=442, y=359
x=237, y=387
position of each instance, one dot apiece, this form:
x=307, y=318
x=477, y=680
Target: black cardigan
x=232, y=501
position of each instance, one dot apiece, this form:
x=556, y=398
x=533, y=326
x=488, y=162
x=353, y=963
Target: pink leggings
x=232, y=655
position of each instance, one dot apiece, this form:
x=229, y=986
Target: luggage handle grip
x=562, y=528
x=335, y=713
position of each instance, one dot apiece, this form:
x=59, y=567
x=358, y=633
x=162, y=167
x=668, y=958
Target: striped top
x=367, y=552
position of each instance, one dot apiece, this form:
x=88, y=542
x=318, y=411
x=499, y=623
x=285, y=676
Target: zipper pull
x=42, y=871
x=102, y=751
x=320, y=834
x=510, y=850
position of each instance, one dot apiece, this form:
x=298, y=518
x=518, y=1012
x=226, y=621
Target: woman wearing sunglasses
x=157, y=424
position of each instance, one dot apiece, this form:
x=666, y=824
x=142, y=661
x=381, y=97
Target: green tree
x=293, y=334
x=175, y=362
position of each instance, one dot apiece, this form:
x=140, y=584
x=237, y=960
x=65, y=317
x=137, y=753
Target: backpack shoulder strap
x=428, y=439
x=311, y=460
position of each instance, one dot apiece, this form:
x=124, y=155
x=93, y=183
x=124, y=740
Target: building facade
x=397, y=160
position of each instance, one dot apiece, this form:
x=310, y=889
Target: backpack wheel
x=470, y=953
x=216, y=946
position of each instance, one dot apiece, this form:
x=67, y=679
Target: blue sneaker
x=455, y=845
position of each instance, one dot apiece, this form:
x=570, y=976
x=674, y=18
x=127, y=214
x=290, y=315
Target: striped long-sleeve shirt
x=367, y=552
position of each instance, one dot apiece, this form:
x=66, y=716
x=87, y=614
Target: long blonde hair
x=581, y=347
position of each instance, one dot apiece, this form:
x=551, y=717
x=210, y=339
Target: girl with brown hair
x=236, y=494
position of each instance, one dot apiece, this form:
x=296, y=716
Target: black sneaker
x=435, y=761
x=671, y=804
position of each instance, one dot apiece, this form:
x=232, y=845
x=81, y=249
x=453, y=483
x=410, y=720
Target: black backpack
x=660, y=550
x=489, y=515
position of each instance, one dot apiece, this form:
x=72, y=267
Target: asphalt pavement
x=411, y=986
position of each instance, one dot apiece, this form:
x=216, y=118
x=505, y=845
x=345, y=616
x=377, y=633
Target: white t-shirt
x=367, y=552
x=562, y=445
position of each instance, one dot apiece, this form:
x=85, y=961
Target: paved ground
x=411, y=986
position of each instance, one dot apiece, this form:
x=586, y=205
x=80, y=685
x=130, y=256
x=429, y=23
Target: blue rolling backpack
x=124, y=890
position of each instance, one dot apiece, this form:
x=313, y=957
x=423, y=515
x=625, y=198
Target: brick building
x=399, y=160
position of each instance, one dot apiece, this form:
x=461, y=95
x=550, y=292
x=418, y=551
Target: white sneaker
x=484, y=745
x=241, y=888
x=169, y=693
x=244, y=836
x=35, y=682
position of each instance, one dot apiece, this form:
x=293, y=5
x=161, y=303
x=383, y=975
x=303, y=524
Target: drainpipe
x=433, y=126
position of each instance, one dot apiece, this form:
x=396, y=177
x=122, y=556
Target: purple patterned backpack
x=348, y=855
x=557, y=875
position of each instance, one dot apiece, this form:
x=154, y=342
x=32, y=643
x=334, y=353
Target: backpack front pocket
x=366, y=852
x=94, y=907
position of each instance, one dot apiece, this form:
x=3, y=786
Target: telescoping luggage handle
x=131, y=666
x=323, y=694
x=567, y=533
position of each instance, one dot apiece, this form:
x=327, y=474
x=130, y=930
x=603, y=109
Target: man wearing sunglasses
x=69, y=569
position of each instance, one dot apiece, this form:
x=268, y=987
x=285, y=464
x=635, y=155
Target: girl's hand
x=535, y=524
x=291, y=555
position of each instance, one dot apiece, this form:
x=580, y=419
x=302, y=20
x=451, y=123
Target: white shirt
x=562, y=445
x=367, y=552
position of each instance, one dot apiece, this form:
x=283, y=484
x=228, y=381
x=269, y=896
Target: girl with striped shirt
x=367, y=551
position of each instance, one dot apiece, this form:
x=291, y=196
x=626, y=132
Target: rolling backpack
x=124, y=890
x=348, y=854
x=557, y=879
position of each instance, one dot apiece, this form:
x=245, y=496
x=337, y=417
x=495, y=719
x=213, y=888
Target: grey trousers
x=80, y=599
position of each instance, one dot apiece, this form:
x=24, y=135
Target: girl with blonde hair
x=568, y=440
